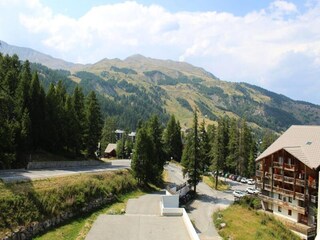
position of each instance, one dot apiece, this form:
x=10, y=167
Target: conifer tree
x=190, y=157
x=78, y=106
x=93, y=124
x=159, y=157
x=142, y=155
x=233, y=146
x=205, y=147
x=108, y=132
x=173, y=140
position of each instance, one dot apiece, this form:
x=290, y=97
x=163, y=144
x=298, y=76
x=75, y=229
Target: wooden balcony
x=289, y=167
x=277, y=165
x=267, y=187
x=300, y=182
x=283, y=191
x=288, y=180
x=277, y=177
x=313, y=185
x=300, y=196
x=313, y=199
x=259, y=173
x=283, y=204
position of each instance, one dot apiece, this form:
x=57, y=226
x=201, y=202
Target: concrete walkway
x=142, y=221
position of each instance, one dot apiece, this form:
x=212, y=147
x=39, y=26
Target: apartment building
x=287, y=174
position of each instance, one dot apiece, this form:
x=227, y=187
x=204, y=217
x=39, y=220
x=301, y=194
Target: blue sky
x=272, y=44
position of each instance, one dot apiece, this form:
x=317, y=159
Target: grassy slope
x=25, y=202
x=245, y=224
x=211, y=182
x=77, y=229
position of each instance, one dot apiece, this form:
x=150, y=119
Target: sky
x=271, y=44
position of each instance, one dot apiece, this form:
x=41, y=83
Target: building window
x=290, y=199
x=280, y=159
x=279, y=209
x=279, y=196
x=289, y=212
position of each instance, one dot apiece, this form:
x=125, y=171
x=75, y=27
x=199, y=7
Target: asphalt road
x=209, y=201
x=17, y=175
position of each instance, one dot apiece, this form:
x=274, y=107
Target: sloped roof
x=303, y=142
x=110, y=147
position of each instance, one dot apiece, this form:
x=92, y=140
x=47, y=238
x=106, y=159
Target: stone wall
x=37, y=228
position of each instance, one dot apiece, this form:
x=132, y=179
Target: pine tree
x=93, y=124
x=190, y=157
x=173, y=140
x=78, y=105
x=142, y=155
x=37, y=114
x=155, y=132
x=220, y=149
x=233, y=146
x=205, y=148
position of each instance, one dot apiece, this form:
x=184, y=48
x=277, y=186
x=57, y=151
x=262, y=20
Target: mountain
x=141, y=86
x=34, y=56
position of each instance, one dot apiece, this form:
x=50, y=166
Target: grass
x=25, y=202
x=245, y=224
x=78, y=229
x=211, y=182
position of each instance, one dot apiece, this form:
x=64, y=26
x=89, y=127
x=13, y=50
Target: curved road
x=200, y=210
x=16, y=175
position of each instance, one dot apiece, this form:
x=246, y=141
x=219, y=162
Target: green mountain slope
x=134, y=88
x=181, y=87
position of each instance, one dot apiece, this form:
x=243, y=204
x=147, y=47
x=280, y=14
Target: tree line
x=32, y=119
x=230, y=146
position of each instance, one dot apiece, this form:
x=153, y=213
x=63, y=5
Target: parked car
x=234, y=177
x=230, y=176
x=252, y=190
x=239, y=193
x=243, y=180
x=239, y=178
x=250, y=181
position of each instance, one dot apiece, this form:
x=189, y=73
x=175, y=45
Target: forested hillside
x=134, y=88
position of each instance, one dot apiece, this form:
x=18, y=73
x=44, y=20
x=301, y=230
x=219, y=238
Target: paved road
x=209, y=200
x=29, y=175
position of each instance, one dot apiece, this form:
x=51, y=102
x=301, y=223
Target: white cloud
x=284, y=6
x=252, y=48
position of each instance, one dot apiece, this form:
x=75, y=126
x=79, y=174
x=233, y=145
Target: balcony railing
x=283, y=191
x=259, y=173
x=313, y=199
x=300, y=196
x=283, y=204
x=277, y=177
x=267, y=187
x=300, y=182
x=277, y=164
x=289, y=179
x=289, y=167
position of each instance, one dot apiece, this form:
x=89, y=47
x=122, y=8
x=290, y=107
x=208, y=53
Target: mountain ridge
x=179, y=87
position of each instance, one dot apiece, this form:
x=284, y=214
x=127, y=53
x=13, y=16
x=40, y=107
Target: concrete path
x=142, y=221
x=16, y=175
x=200, y=210
x=135, y=227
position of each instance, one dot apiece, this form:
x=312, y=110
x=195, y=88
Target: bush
x=250, y=201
